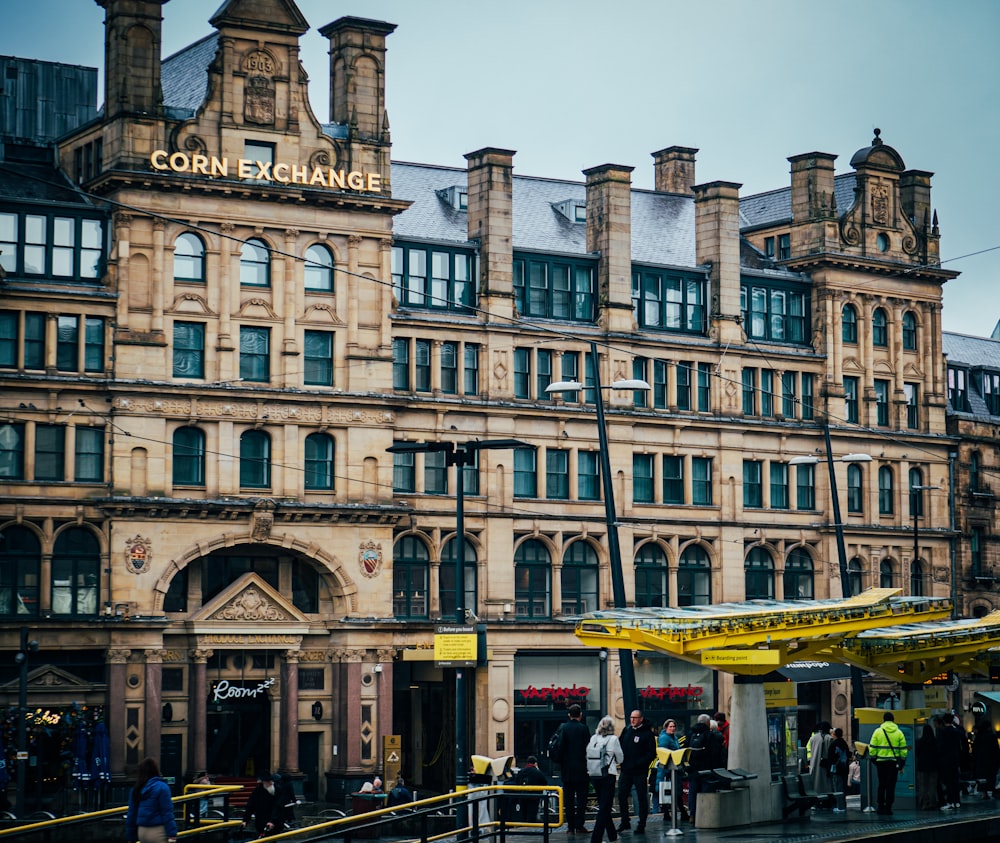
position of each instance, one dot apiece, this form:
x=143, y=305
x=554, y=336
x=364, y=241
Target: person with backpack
x=604, y=755
x=568, y=748
x=838, y=757
x=698, y=760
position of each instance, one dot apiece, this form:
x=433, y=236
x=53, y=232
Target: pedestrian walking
x=570, y=753
x=819, y=751
x=887, y=749
x=639, y=748
x=150, y=817
x=604, y=755
x=837, y=758
x=667, y=739
x=529, y=774
x=705, y=755
x=985, y=757
x=950, y=740
x=260, y=804
x=927, y=769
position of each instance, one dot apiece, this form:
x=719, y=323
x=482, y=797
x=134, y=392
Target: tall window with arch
x=886, y=576
x=917, y=577
x=410, y=576
x=446, y=579
x=189, y=258
x=579, y=579
x=318, y=270
x=759, y=574
x=76, y=565
x=694, y=577
x=188, y=457
x=880, y=328
x=319, y=462
x=849, y=324
x=255, y=264
x=855, y=488
x=20, y=571
x=651, y=577
x=916, y=494
x=909, y=331
x=798, y=579
x=532, y=579
x=856, y=576
x=886, y=491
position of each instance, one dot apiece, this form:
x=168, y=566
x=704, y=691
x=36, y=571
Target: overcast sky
x=572, y=84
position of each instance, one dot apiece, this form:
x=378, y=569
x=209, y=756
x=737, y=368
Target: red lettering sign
x=692, y=693
x=531, y=694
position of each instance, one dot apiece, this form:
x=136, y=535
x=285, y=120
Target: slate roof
x=662, y=224
x=24, y=182
x=184, y=77
x=775, y=206
x=976, y=353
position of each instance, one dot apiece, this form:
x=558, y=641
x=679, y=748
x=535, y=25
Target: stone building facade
x=203, y=524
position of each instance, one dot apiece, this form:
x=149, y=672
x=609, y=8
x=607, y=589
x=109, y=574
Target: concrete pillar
x=748, y=748
x=198, y=711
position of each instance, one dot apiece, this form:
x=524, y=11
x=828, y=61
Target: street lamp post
x=916, y=505
x=460, y=456
x=629, y=697
x=27, y=647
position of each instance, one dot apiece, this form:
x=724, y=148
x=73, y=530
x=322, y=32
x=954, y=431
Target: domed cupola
x=878, y=156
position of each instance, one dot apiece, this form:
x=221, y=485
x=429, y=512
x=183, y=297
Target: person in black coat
x=572, y=759
x=260, y=805
x=949, y=749
x=529, y=774
x=927, y=769
x=639, y=747
x=985, y=757
x=285, y=801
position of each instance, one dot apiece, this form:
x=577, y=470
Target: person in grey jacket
x=604, y=755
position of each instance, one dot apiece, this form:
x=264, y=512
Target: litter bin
x=362, y=803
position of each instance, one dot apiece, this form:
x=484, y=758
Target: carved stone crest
x=261, y=521
x=250, y=605
x=258, y=101
x=137, y=554
x=370, y=558
x=880, y=204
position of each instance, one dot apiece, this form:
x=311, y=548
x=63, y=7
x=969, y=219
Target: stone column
x=115, y=710
x=154, y=697
x=156, y=272
x=289, y=751
x=748, y=749
x=197, y=711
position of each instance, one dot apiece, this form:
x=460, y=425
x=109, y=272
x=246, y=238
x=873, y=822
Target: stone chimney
x=609, y=232
x=491, y=222
x=674, y=170
x=915, y=201
x=133, y=37
x=717, y=244
x=812, y=186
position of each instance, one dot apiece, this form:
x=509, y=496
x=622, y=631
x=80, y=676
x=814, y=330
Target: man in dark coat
x=529, y=774
x=572, y=759
x=260, y=805
x=639, y=747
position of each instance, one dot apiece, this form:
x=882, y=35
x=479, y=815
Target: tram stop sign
x=455, y=646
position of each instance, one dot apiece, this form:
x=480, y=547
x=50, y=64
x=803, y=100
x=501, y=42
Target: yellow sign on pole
x=392, y=759
x=724, y=658
x=455, y=646
x=780, y=694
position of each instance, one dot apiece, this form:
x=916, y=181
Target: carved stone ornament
x=250, y=605
x=262, y=521
x=370, y=558
x=880, y=204
x=137, y=554
x=258, y=101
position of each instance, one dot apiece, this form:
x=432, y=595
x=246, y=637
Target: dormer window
x=575, y=210
x=457, y=196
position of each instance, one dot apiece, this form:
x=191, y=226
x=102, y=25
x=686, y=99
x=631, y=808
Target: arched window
x=849, y=324
x=798, y=580
x=651, y=582
x=319, y=269
x=855, y=576
x=855, y=496
x=916, y=494
x=410, y=575
x=886, y=578
x=880, y=328
x=909, y=331
x=255, y=460
x=446, y=579
x=694, y=577
x=20, y=566
x=579, y=579
x=255, y=264
x=76, y=565
x=917, y=578
x=188, y=457
x=532, y=580
x=319, y=461
x=886, y=491
x=189, y=258
x=759, y=572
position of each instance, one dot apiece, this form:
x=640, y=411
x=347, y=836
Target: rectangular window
x=660, y=384
x=522, y=372
x=684, y=385
x=570, y=372
x=189, y=350
x=779, y=485
x=449, y=368
x=704, y=388
x=68, y=343
x=851, y=400
x=404, y=472
x=63, y=247
x=543, y=375
x=8, y=242
x=557, y=474
x=784, y=247
x=318, y=358
x=753, y=484
x=554, y=289
x=589, y=380
x=470, y=475
x=701, y=481
x=776, y=313
x=525, y=473
x=805, y=487
x=669, y=302
x=34, y=340
x=470, y=356
x=255, y=354
x=8, y=339
x=673, y=480
x=12, y=451
x=881, y=403
x=958, y=389
x=749, y=392
x=991, y=392
x=808, y=412
x=588, y=476
x=50, y=452
x=640, y=372
x=422, y=366
x=401, y=364
x=642, y=478
x=912, y=391
x=89, y=456
x=93, y=344
x=446, y=286
x=769, y=247
x=766, y=393
x=435, y=473
x=788, y=401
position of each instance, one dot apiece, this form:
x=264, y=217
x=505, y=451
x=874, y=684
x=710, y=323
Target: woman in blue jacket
x=150, y=809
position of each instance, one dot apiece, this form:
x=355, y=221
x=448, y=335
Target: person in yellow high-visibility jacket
x=887, y=749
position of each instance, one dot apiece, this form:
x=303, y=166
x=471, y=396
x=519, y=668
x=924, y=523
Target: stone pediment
x=250, y=600
x=47, y=676
x=261, y=15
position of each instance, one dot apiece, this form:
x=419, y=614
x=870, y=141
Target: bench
x=796, y=799
x=732, y=778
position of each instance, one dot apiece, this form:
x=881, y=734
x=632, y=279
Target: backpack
x=555, y=744
x=838, y=760
x=597, y=757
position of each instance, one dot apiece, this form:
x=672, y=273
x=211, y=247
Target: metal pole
x=22, y=725
x=614, y=548
x=460, y=457
x=952, y=456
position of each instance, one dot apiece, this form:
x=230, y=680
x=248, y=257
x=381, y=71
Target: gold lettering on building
x=238, y=640
x=280, y=172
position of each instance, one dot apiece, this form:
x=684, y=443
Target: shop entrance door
x=239, y=737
